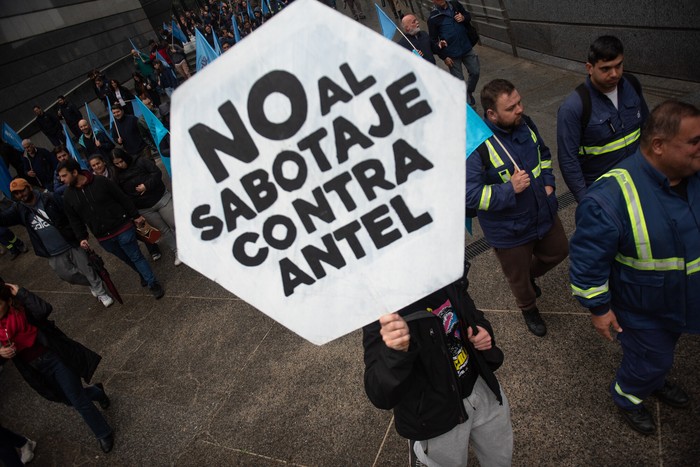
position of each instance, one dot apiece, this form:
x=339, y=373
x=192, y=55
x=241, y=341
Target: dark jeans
x=9, y=443
x=80, y=398
x=124, y=247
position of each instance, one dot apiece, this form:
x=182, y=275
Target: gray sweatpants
x=488, y=428
x=73, y=267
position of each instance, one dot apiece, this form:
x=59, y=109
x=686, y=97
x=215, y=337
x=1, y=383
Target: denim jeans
x=51, y=366
x=471, y=63
x=124, y=247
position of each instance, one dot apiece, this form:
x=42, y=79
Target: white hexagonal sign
x=319, y=172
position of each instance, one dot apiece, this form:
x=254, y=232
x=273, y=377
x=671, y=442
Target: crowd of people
x=106, y=191
x=623, y=163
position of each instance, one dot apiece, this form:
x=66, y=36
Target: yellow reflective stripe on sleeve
x=537, y=170
x=610, y=147
x=496, y=160
x=633, y=399
x=634, y=209
x=485, y=198
x=589, y=293
x=546, y=164
x=692, y=267
x=654, y=264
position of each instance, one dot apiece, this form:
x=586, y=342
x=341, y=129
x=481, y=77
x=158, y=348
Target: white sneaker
x=106, y=300
x=177, y=262
x=27, y=451
x=94, y=294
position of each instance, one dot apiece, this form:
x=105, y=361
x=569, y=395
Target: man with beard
x=419, y=40
x=94, y=142
x=39, y=165
x=109, y=213
x=599, y=124
x=511, y=184
x=126, y=132
x=51, y=236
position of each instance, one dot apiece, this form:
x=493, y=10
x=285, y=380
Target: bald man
x=419, y=40
x=94, y=142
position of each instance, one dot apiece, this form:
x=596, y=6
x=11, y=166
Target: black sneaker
x=672, y=395
x=535, y=323
x=538, y=291
x=640, y=419
x=470, y=99
x=157, y=290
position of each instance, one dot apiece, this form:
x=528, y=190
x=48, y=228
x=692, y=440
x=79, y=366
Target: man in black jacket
x=432, y=362
x=51, y=236
x=50, y=126
x=70, y=113
x=126, y=132
x=109, y=213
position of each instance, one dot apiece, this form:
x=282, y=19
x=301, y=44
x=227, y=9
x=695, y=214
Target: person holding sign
x=432, y=362
x=511, y=184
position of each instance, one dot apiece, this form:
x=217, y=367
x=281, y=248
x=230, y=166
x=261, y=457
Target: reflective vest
x=612, y=146
x=644, y=259
x=503, y=171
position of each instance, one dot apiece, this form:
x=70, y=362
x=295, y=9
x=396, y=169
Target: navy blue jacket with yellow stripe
x=509, y=219
x=636, y=249
x=611, y=134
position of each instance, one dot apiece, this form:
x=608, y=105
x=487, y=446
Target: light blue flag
x=111, y=117
x=11, y=137
x=265, y=8
x=178, y=34
x=205, y=54
x=388, y=26
x=5, y=179
x=72, y=150
x=217, y=47
x=477, y=131
x=134, y=47
x=236, y=32
x=158, y=130
x=162, y=60
x=250, y=12
x=136, y=109
x=96, y=124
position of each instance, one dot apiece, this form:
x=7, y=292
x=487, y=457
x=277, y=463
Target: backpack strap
x=585, y=94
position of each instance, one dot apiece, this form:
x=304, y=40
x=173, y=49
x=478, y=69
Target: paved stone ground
x=202, y=378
